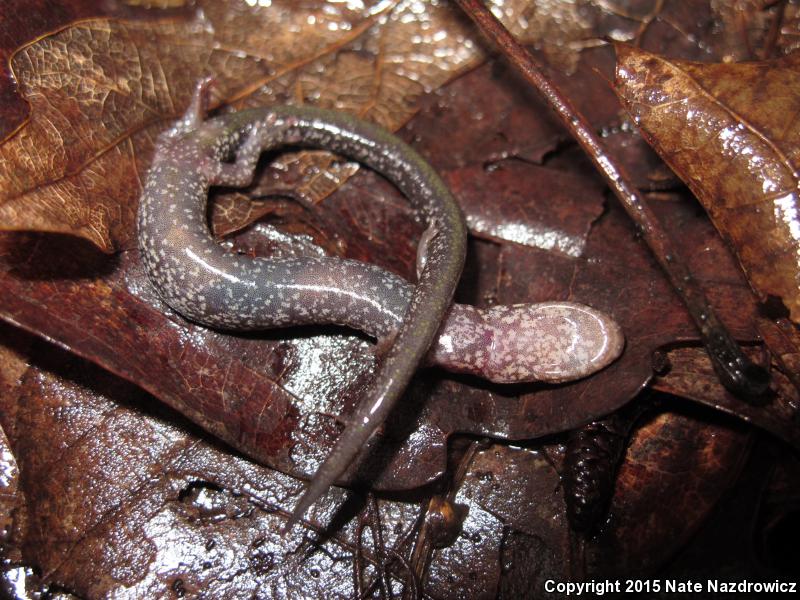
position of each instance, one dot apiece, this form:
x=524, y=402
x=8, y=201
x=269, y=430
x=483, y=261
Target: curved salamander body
x=203, y=282
x=196, y=277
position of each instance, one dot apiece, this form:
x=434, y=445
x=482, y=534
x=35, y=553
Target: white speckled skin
x=550, y=341
x=203, y=282
x=197, y=278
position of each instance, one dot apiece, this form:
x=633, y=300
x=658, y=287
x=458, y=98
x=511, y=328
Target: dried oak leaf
x=730, y=132
x=102, y=89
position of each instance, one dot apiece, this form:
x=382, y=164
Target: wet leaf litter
x=97, y=299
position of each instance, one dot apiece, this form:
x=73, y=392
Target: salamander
x=413, y=324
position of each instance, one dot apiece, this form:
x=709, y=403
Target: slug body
x=196, y=277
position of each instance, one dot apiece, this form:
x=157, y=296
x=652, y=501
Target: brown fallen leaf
x=114, y=493
x=9, y=487
x=782, y=338
x=691, y=376
x=305, y=177
x=102, y=89
x=115, y=488
x=501, y=477
x=672, y=476
x=730, y=132
x=749, y=28
x=560, y=222
x=13, y=365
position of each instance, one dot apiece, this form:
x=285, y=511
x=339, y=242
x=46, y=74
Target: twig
x=768, y=49
x=736, y=372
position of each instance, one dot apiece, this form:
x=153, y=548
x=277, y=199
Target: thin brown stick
x=736, y=372
x=768, y=49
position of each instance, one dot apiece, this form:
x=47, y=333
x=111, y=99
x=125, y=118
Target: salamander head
x=551, y=341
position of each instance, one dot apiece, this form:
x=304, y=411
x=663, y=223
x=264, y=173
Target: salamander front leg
x=240, y=173
x=197, y=110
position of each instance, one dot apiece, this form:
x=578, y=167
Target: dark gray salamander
x=551, y=341
x=197, y=278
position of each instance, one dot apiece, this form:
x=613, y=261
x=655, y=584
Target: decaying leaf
x=13, y=365
x=120, y=498
x=9, y=486
x=305, y=177
x=755, y=29
x=671, y=477
x=691, y=375
x=559, y=223
x=100, y=91
x=730, y=132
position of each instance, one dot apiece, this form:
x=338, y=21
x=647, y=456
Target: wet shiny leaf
x=119, y=495
x=691, y=375
x=9, y=487
x=118, y=499
x=728, y=130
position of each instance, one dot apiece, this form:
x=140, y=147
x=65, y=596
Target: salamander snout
x=551, y=341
